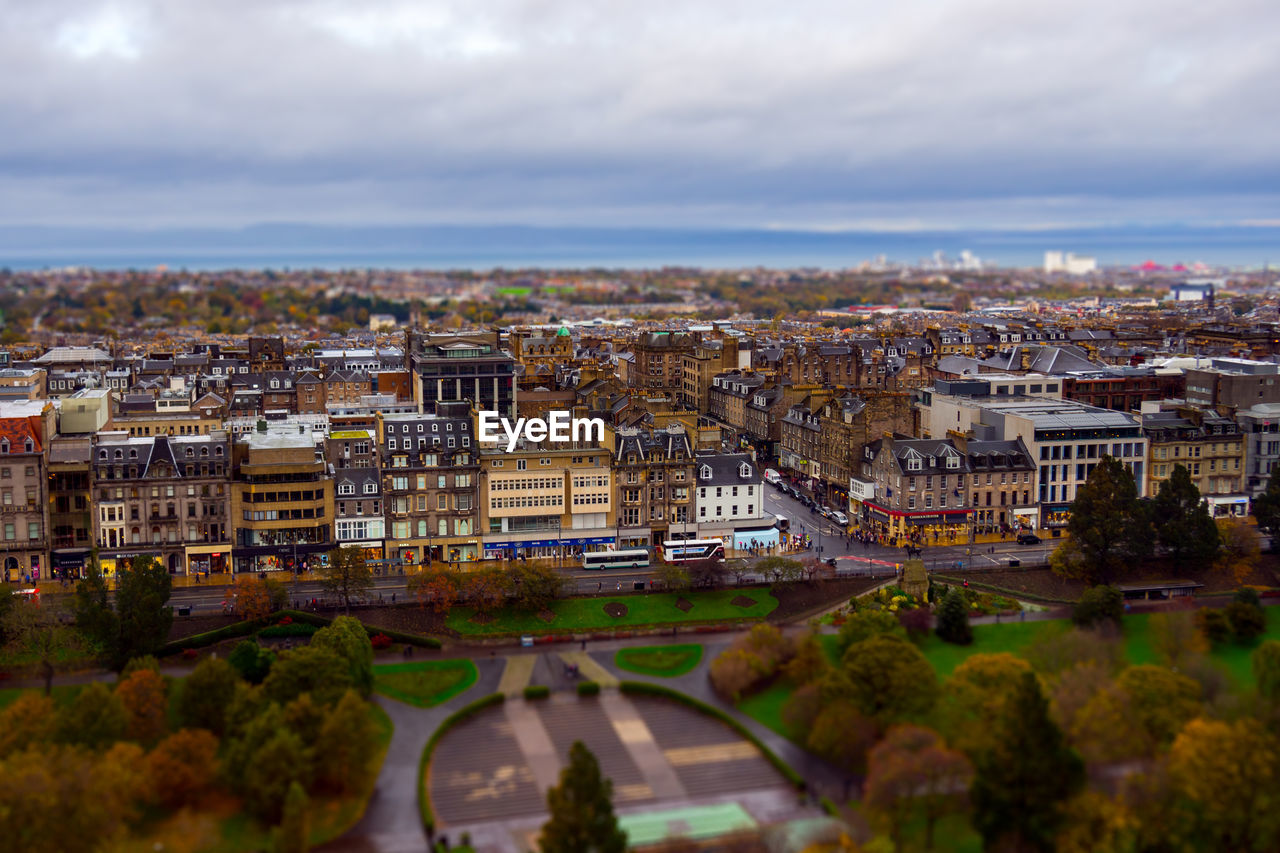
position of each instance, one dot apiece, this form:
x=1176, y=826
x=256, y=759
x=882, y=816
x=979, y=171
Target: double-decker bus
x=635, y=558
x=692, y=550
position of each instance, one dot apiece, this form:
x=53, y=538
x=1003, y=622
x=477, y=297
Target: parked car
x=839, y=518
x=1028, y=539
x=824, y=511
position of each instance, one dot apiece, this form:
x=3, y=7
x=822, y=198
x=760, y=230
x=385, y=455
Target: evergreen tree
x=139, y=623
x=581, y=806
x=1183, y=526
x=953, y=619
x=1024, y=779
x=1109, y=526
x=347, y=638
x=293, y=833
x=1266, y=507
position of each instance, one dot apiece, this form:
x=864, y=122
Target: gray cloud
x=955, y=112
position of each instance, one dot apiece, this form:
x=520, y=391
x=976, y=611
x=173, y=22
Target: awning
x=548, y=543
x=70, y=558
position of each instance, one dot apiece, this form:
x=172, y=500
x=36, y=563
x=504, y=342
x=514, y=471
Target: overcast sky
x=797, y=114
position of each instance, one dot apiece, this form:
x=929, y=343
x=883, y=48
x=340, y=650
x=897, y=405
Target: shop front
x=208, y=559
x=931, y=527
x=1055, y=516
x=111, y=564
x=1026, y=518
x=70, y=563
x=565, y=547
x=298, y=558
x=1228, y=506
x=755, y=540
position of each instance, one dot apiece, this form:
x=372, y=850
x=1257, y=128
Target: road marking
x=711, y=753
x=516, y=676
x=588, y=667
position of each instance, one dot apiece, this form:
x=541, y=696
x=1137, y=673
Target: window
x=521, y=464
x=8, y=531
x=391, y=444
x=346, y=489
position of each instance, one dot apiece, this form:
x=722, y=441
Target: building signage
x=559, y=428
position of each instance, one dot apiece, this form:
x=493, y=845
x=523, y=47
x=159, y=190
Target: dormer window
x=953, y=461
x=28, y=445
x=744, y=470
x=913, y=464
x=704, y=473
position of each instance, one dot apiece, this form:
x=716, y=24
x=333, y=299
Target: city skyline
x=978, y=115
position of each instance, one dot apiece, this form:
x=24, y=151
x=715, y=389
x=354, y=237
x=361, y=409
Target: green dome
x=564, y=332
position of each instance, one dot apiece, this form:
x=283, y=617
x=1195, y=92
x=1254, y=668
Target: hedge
x=588, y=688
x=537, y=691
x=428, y=819
x=643, y=688
x=297, y=629
x=208, y=638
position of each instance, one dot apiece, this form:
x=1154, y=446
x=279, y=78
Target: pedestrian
x=584, y=645
x=393, y=598
x=619, y=586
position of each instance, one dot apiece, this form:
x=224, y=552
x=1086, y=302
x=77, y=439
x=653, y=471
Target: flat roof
x=694, y=822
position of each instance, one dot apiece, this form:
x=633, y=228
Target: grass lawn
x=62, y=694
x=424, y=683
x=585, y=614
x=766, y=706
x=667, y=661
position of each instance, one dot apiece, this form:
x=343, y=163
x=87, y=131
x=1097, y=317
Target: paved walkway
x=517, y=674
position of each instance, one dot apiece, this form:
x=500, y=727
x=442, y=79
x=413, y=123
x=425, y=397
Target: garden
x=663, y=661
x=626, y=611
x=424, y=684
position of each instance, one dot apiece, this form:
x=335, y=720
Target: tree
x=251, y=660
x=809, y=663
x=282, y=761
x=486, y=590
x=294, y=831
x=309, y=669
x=1183, y=526
x=842, y=735
x=252, y=598
x=1240, y=549
x=1022, y=781
x=910, y=771
x=92, y=608
x=953, y=619
x=183, y=767
x=206, y=695
x=1098, y=605
x=347, y=575
x=36, y=628
x=146, y=705
x=1162, y=700
x=1247, y=621
x=706, y=574
x=973, y=699
x=1266, y=670
x=867, y=623
x=581, y=807
x=95, y=719
x=142, y=614
x=1106, y=729
x=780, y=569
x=1228, y=773
x=1175, y=637
x=1266, y=507
x=437, y=587
x=536, y=586
x=673, y=577
x=349, y=740
x=1109, y=527
x=347, y=638
x=29, y=721
x=886, y=678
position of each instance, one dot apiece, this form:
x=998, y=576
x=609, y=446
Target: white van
x=772, y=477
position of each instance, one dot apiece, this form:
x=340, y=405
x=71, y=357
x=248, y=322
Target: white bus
x=691, y=550
x=635, y=558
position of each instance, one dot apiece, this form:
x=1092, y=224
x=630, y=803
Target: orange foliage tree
x=143, y=696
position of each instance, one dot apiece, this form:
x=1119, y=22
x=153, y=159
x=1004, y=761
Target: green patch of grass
x=665, y=661
x=766, y=706
x=424, y=684
x=1012, y=637
x=62, y=694
x=587, y=614
x=514, y=291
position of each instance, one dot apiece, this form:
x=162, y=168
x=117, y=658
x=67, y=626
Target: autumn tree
x=37, y=629
x=1228, y=772
x=1240, y=549
x=842, y=735
x=1266, y=670
x=436, y=587
x=973, y=699
x=309, y=669
x=1183, y=526
x=347, y=575
x=183, y=767
x=1021, y=783
x=252, y=598
x=282, y=761
x=913, y=772
x=1108, y=729
x=536, y=586
x=1175, y=637
x=1109, y=527
x=486, y=589
x=1098, y=605
x=349, y=740
x=809, y=662
x=143, y=695
x=293, y=833
x=1162, y=700
x=28, y=721
x=581, y=809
